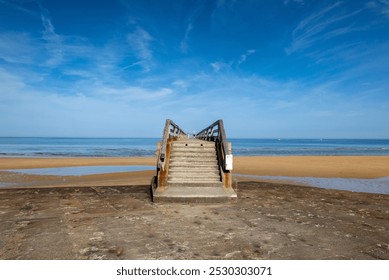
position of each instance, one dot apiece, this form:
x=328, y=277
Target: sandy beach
x=314, y=166
x=111, y=216
x=293, y=166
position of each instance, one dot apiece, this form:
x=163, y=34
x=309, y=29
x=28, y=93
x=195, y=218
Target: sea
x=145, y=147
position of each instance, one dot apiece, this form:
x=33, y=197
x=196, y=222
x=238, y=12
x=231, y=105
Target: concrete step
x=186, y=172
x=197, y=180
x=196, y=184
x=201, y=164
x=193, y=176
x=192, y=154
x=192, y=157
x=194, y=179
x=204, y=169
x=193, y=144
x=203, y=145
x=195, y=149
x=201, y=153
x=194, y=194
x=183, y=160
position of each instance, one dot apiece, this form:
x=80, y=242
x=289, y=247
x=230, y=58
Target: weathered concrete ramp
x=192, y=169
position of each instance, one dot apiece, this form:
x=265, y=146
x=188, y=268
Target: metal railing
x=170, y=130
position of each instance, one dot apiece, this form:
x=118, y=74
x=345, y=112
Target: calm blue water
x=83, y=170
x=379, y=185
x=77, y=147
x=122, y=147
x=286, y=147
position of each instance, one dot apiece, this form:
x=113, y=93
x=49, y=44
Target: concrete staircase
x=193, y=163
x=193, y=173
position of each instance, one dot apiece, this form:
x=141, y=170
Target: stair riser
x=193, y=179
x=193, y=164
x=173, y=170
x=194, y=173
x=196, y=185
x=192, y=150
x=187, y=154
x=193, y=145
x=193, y=159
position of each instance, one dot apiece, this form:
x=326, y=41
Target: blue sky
x=268, y=68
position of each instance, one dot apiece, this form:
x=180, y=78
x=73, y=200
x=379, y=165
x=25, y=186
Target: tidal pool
x=83, y=170
x=379, y=185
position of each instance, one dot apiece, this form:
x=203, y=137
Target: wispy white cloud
x=132, y=93
x=261, y=102
x=140, y=42
x=14, y=5
x=225, y=4
x=301, y=2
x=190, y=24
x=181, y=84
x=321, y=26
x=105, y=77
x=220, y=65
x=244, y=56
x=9, y=82
x=184, y=43
x=26, y=110
x=18, y=48
x=381, y=6
x=53, y=40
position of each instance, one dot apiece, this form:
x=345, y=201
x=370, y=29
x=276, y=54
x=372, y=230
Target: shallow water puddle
x=83, y=170
x=379, y=185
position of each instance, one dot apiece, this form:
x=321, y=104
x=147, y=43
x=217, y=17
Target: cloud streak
x=54, y=84
x=19, y=8
x=218, y=66
x=381, y=6
x=320, y=26
x=53, y=40
x=184, y=43
x=18, y=48
x=140, y=42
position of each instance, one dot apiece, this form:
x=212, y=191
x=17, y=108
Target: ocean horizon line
x=117, y=147
x=159, y=137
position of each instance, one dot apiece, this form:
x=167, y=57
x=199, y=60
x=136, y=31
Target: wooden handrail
x=216, y=133
x=170, y=130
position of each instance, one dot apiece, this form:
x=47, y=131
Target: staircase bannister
x=216, y=133
x=170, y=130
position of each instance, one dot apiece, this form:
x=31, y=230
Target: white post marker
x=229, y=160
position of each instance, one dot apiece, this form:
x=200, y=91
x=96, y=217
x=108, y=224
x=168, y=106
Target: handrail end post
x=228, y=162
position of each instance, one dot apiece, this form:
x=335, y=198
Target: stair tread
x=202, y=191
x=193, y=163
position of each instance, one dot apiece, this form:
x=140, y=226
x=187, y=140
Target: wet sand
x=294, y=166
x=111, y=216
x=21, y=163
